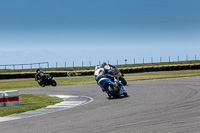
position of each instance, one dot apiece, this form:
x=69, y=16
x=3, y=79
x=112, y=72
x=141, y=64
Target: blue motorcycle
x=113, y=88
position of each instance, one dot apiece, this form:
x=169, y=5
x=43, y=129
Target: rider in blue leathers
x=104, y=73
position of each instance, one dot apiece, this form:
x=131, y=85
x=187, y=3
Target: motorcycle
x=48, y=80
x=117, y=72
x=112, y=88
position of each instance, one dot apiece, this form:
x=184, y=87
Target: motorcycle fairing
x=103, y=81
x=121, y=92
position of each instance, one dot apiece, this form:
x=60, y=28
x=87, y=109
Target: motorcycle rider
x=39, y=76
x=109, y=67
x=104, y=73
x=44, y=79
x=115, y=71
x=105, y=65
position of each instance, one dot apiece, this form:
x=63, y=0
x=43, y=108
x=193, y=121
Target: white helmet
x=97, y=67
x=107, y=67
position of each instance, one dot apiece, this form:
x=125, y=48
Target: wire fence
x=86, y=64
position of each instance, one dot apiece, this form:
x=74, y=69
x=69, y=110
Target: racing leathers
x=40, y=76
x=103, y=73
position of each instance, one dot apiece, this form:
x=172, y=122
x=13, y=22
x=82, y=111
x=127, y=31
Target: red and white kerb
x=9, y=98
x=1, y=98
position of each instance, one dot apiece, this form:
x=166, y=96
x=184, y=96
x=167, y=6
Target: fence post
x=117, y=62
x=195, y=57
x=56, y=64
x=48, y=64
x=186, y=57
x=160, y=59
x=134, y=60
x=90, y=63
x=143, y=60
x=125, y=61
x=178, y=58
x=151, y=60
x=73, y=63
x=22, y=66
x=169, y=59
x=65, y=64
x=82, y=63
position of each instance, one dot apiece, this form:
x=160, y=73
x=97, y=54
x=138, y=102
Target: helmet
x=103, y=64
x=97, y=67
x=37, y=70
x=107, y=67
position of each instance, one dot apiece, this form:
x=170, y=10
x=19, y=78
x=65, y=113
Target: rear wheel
x=123, y=81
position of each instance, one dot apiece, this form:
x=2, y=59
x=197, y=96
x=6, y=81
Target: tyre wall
x=130, y=70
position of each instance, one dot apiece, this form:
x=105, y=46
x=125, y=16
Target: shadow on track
x=121, y=97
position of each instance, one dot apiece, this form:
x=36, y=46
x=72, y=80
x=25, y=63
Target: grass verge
x=162, y=75
x=29, y=102
x=80, y=80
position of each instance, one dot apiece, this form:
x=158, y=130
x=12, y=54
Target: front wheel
x=112, y=92
x=42, y=85
x=54, y=83
x=125, y=94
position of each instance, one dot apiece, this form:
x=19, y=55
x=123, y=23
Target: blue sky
x=98, y=30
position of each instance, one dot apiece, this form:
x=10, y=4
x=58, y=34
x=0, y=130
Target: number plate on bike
x=119, y=74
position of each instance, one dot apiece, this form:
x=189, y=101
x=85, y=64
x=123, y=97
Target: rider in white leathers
x=101, y=73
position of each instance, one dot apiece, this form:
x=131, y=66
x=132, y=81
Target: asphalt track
x=153, y=106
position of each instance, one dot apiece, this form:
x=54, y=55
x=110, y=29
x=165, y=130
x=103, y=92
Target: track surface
x=154, y=106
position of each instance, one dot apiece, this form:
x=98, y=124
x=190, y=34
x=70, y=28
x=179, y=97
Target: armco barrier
x=9, y=98
x=127, y=70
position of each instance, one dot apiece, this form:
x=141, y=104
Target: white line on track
x=68, y=102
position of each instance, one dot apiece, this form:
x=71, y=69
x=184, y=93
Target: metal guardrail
x=23, y=66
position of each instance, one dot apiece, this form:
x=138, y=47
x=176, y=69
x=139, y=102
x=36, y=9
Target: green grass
x=80, y=80
x=92, y=67
x=194, y=62
x=29, y=102
x=32, y=102
x=162, y=75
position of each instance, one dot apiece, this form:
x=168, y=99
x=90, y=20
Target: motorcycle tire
x=42, y=85
x=123, y=81
x=54, y=83
x=125, y=94
x=112, y=92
